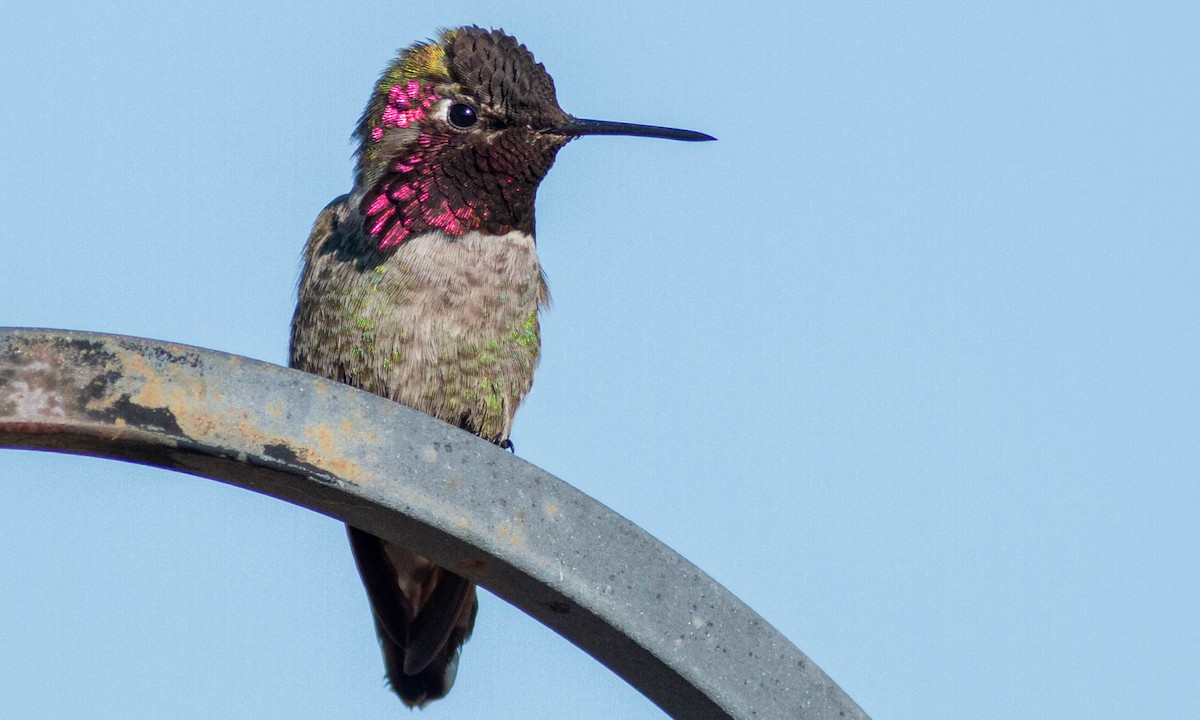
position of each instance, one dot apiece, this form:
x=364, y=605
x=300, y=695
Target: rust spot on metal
x=322, y=435
x=511, y=535
x=475, y=566
x=347, y=469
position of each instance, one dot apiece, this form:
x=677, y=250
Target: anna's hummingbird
x=423, y=285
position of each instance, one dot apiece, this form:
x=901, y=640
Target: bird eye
x=462, y=116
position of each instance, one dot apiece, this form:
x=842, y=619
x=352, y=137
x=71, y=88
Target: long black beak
x=579, y=126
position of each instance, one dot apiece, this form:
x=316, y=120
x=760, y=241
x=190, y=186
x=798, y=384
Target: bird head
x=458, y=134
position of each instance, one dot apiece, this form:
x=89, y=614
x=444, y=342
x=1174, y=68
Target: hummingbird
x=423, y=285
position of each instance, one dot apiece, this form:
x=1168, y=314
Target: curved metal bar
x=638, y=607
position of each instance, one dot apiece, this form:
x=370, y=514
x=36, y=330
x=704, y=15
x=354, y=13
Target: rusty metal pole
x=638, y=607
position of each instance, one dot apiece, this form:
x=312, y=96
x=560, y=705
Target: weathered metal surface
x=600, y=581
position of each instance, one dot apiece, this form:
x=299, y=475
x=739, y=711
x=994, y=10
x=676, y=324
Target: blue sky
x=907, y=360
